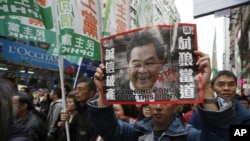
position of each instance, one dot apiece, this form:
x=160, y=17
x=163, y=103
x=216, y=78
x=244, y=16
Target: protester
x=54, y=114
x=8, y=130
x=6, y=120
x=25, y=114
x=71, y=109
x=164, y=125
x=126, y=112
x=118, y=109
x=244, y=101
x=67, y=89
x=225, y=83
x=44, y=100
x=144, y=112
x=187, y=115
x=82, y=128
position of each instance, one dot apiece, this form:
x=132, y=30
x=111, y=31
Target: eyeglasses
x=78, y=88
x=229, y=85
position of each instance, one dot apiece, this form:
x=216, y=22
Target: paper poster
x=152, y=65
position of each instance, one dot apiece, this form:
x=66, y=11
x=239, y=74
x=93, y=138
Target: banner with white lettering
x=35, y=20
x=23, y=28
x=78, y=28
x=39, y=10
x=152, y=65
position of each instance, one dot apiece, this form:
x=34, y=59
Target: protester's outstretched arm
x=204, y=67
x=103, y=117
x=216, y=113
x=98, y=78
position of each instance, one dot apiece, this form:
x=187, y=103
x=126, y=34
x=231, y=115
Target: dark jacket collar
x=145, y=126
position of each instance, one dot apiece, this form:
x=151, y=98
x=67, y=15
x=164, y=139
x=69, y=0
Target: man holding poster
x=145, y=66
x=217, y=114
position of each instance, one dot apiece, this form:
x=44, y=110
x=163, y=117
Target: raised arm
x=98, y=78
x=204, y=67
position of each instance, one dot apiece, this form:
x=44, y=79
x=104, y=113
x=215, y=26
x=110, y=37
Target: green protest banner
x=23, y=28
x=35, y=9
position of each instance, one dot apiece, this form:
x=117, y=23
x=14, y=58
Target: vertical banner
x=79, y=28
x=116, y=17
x=152, y=65
x=31, y=23
x=238, y=67
x=144, y=14
x=237, y=60
x=214, y=56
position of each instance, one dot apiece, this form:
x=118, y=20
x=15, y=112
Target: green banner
x=13, y=27
x=28, y=8
x=78, y=26
x=79, y=45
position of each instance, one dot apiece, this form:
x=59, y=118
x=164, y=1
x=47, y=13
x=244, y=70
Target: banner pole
x=60, y=64
x=78, y=70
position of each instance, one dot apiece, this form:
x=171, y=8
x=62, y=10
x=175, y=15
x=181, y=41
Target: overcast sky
x=205, y=29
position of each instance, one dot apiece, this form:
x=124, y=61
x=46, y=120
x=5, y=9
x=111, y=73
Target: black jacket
x=81, y=128
x=36, y=124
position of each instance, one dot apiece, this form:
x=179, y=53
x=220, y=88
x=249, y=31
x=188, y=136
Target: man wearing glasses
x=81, y=127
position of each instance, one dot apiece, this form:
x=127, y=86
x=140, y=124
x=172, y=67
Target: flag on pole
x=79, y=28
x=214, y=56
x=33, y=20
x=27, y=20
x=34, y=9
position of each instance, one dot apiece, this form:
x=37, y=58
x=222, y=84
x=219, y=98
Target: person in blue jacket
x=216, y=112
x=225, y=83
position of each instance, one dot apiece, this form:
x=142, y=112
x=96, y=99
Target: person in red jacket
x=188, y=115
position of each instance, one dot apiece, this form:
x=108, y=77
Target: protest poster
x=153, y=64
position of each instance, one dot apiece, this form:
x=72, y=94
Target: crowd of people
x=24, y=117
x=41, y=118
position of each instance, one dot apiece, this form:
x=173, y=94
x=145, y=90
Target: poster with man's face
x=152, y=65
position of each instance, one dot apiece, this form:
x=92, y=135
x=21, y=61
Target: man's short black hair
x=244, y=98
x=67, y=88
x=25, y=99
x=146, y=38
x=58, y=92
x=89, y=81
x=223, y=73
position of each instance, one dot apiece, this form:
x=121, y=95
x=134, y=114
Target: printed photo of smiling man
x=150, y=65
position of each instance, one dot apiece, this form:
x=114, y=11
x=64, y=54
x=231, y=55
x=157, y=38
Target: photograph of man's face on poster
x=152, y=65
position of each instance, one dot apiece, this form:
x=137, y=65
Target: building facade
x=239, y=46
